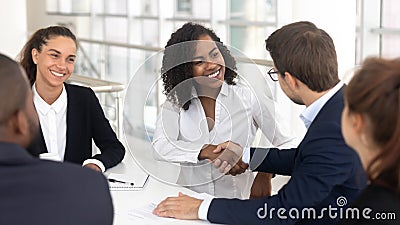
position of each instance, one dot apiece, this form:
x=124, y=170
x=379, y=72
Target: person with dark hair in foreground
x=323, y=168
x=371, y=125
x=34, y=191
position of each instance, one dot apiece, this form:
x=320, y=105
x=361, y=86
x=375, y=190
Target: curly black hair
x=176, y=67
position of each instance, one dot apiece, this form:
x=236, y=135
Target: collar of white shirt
x=309, y=114
x=44, y=108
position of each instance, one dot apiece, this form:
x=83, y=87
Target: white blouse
x=181, y=134
x=53, y=122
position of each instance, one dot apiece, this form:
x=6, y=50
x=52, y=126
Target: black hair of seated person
x=13, y=88
x=13, y=93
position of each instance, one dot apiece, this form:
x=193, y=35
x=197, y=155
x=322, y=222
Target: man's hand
x=93, y=167
x=181, y=207
x=239, y=168
x=230, y=158
x=262, y=186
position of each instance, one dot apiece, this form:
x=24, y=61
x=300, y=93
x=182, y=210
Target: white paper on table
x=139, y=182
x=144, y=214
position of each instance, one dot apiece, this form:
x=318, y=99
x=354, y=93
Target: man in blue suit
x=34, y=191
x=325, y=173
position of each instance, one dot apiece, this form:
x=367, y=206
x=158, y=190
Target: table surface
x=153, y=190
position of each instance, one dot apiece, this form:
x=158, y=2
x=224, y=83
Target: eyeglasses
x=273, y=74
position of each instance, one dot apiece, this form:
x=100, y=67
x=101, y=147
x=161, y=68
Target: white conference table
x=153, y=191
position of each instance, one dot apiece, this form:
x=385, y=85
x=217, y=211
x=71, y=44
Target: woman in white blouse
x=205, y=108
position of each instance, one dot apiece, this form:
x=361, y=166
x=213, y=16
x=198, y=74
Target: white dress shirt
x=308, y=116
x=309, y=113
x=53, y=122
x=181, y=134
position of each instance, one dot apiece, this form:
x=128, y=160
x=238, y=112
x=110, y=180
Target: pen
x=119, y=181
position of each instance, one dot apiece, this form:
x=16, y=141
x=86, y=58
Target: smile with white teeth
x=57, y=74
x=213, y=75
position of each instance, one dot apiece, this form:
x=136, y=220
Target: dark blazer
x=42, y=192
x=384, y=205
x=85, y=120
x=322, y=168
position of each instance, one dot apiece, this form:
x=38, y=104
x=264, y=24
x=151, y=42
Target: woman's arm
x=112, y=150
x=167, y=145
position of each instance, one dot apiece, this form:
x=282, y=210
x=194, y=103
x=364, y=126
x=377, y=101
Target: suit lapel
x=71, y=109
x=38, y=144
x=41, y=144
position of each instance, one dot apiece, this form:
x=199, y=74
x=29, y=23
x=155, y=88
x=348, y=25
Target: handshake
x=226, y=157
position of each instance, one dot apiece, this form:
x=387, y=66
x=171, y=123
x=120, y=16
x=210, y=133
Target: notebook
x=124, y=183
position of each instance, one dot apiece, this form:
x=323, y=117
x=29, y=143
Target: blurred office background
x=119, y=38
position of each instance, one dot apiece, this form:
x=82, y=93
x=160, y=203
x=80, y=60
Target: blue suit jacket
x=42, y=192
x=85, y=121
x=323, y=169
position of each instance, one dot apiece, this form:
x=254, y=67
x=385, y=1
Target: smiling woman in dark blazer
x=70, y=116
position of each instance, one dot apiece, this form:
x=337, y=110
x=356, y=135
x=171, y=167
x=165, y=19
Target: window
x=184, y=6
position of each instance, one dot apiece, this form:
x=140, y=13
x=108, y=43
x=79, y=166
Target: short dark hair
x=374, y=91
x=13, y=88
x=37, y=40
x=307, y=53
x=176, y=68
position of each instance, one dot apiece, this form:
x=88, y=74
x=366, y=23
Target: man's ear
x=292, y=81
x=23, y=131
x=12, y=127
x=20, y=124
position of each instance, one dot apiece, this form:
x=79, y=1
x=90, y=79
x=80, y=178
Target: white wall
x=13, y=25
x=338, y=19
x=19, y=19
x=38, y=18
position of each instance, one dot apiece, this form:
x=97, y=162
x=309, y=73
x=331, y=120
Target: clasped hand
x=229, y=159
